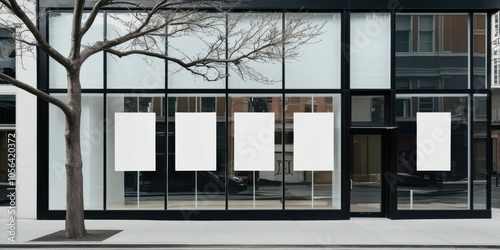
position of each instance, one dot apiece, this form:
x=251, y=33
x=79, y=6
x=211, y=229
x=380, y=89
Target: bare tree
x=263, y=39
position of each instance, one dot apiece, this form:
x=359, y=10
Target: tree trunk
x=75, y=224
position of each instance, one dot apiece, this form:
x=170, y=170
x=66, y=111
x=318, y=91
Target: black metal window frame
x=345, y=8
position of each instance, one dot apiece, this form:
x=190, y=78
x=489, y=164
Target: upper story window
x=426, y=33
x=403, y=33
x=7, y=53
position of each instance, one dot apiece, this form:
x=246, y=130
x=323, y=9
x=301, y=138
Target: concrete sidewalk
x=355, y=233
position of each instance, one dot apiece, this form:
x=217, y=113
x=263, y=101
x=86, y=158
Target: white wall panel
x=434, y=141
x=254, y=141
x=195, y=141
x=313, y=142
x=135, y=147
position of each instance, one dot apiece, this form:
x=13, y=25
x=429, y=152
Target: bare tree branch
x=262, y=39
x=76, y=36
x=37, y=93
x=14, y=7
x=152, y=15
x=92, y=16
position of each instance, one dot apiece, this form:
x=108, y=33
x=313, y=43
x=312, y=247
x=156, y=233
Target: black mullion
x=305, y=5
x=105, y=103
x=384, y=169
x=226, y=151
x=345, y=35
x=42, y=205
x=437, y=91
x=227, y=136
x=166, y=106
x=392, y=172
x=104, y=161
x=209, y=91
x=283, y=116
x=472, y=111
x=472, y=154
x=345, y=116
x=391, y=109
x=312, y=91
x=489, y=153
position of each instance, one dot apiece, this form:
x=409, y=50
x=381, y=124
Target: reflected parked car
x=207, y=182
x=215, y=182
x=414, y=180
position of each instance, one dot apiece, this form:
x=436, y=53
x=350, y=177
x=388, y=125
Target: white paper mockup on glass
x=135, y=141
x=254, y=141
x=313, y=142
x=434, y=141
x=195, y=141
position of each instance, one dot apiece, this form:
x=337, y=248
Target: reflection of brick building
x=432, y=51
x=495, y=85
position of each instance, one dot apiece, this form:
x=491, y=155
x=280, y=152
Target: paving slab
x=357, y=233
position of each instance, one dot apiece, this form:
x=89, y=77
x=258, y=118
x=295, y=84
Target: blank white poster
x=195, y=141
x=313, y=141
x=135, y=141
x=434, y=141
x=254, y=141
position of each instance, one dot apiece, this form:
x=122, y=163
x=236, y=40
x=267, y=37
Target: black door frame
x=388, y=146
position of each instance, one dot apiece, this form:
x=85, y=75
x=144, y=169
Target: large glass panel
x=311, y=189
x=262, y=189
x=437, y=57
x=370, y=51
x=436, y=190
x=189, y=43
x=60, y=38
x=480, y=151
x=134, y=71
x=367, y=110
x=257, y=74
x=7, y=53
x=199, y=189
x=479, y=53
x=366, y=173
x=135, y=189
x=92, y=141
x=318, y=65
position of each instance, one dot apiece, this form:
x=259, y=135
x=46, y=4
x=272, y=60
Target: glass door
x=366, y=176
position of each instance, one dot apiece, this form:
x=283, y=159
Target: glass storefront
x=361, y=113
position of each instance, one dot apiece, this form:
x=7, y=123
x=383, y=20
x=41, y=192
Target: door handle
x=351, y=183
